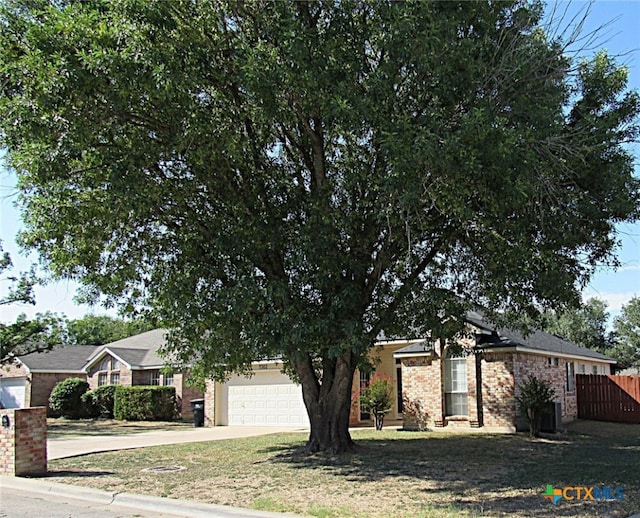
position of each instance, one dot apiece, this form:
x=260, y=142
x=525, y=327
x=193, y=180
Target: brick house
x=473, y=381
x=135, y=361
x=28, y=381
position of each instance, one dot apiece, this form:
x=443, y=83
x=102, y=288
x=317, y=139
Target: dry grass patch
x=393, y=473
x=61, y=428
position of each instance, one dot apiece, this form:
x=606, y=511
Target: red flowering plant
x=377, y=397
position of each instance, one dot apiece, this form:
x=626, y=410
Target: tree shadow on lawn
x=498, y=473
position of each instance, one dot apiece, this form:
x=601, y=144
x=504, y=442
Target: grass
x=61, y=428
x=393, y=473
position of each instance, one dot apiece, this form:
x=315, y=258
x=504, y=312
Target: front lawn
x=394, y=473
x=61, y=428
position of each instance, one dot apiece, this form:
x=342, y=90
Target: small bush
x=415, y=415
x=66, y=398
x=100, y=401
x=377, y=398
x=145, y=403
x=534, y=401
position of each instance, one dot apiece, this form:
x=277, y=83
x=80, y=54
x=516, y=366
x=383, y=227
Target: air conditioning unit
x=552, y=420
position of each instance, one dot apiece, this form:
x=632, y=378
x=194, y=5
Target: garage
x=269, y=398
x=13, y=392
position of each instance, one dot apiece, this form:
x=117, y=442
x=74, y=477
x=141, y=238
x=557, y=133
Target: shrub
x=145, y=403
x=377, y=398
x=534, y=400
x=100, y=401
x=66, y=398
x=416, y=417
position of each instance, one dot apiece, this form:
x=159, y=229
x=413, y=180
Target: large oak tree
x=280, y=179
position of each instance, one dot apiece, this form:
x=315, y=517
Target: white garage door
x=12, y=392
x=266, y=400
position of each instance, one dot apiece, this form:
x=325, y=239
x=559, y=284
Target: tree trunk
x=328, y=404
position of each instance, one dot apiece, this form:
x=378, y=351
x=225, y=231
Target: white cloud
x=614, y=301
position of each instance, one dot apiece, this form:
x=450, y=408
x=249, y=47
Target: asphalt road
x=22, y=504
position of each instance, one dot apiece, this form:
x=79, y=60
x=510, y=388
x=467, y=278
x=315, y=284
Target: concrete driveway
x=60, y=448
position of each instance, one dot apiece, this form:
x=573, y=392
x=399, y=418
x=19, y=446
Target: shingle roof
x=139, y=351
x=496, y=337
x=66, y=358
x=536, y=339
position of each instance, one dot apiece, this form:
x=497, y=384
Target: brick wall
x=422, y=391
x=498, y=403
x=23, y=444
x=555, y=375
x=210, y=403
x=42, y=384
x=185, y=394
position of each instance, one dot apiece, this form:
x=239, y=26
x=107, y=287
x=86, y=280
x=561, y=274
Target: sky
x=619, y=36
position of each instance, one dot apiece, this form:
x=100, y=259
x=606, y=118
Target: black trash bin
x=197, y=406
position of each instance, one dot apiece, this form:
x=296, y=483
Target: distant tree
x=626, y=326
x=585, y=325
x=103, y=329
x=25, y=335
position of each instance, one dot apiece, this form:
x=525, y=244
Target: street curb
x=170, y=506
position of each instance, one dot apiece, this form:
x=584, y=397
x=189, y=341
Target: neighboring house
x=29, y=380
x=435, y=382
x=135, y=361
x=130, y=361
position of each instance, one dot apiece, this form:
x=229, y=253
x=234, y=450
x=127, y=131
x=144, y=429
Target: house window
x=168, y=379
x=109, y=372
x=571, y=377
x=154, y=377
x=455, y=386
x=583, y=368
x=603, y=370
x=552, y=362
x=594, y=369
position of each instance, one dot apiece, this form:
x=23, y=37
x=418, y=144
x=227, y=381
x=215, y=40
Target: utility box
x=552, y=420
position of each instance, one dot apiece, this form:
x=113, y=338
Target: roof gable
x=137, y=352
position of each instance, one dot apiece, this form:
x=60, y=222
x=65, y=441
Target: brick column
x=23, y=441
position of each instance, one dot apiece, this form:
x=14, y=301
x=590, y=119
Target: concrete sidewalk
x=63, y=448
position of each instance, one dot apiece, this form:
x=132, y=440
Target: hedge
x=66, y=398
x=145, y=403
x=100, y=401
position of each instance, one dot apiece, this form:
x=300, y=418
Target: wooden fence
x=608, y=398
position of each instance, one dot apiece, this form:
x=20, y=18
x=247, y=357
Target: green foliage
x=103, y=329
x=66, y=398
x=25, y=336
x=100, y=401
x=377, y=398
x=534, y=400
x=145, y=403
x=585, y=325
x=626, y=347
x=288, y=179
